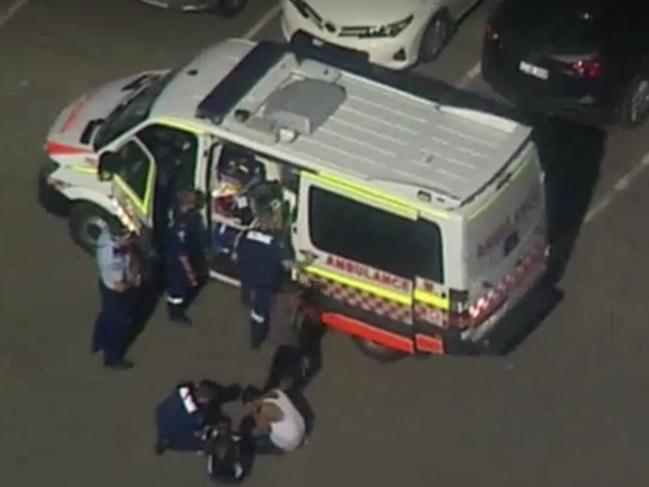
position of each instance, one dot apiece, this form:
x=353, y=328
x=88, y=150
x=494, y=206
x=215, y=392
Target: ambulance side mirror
x=108, y=165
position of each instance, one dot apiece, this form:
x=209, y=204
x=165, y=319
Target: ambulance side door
x=133, y=171
x=355, y=236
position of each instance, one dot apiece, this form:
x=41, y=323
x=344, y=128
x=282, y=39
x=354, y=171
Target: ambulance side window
x=134, y=168
x=371, y=236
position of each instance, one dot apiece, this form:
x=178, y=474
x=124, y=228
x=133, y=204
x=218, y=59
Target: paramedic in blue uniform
x=185, y=256
x=118, y=283
x=260, y=255
x=184, y=417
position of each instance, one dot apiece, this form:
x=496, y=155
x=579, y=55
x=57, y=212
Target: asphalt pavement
x=566, y=408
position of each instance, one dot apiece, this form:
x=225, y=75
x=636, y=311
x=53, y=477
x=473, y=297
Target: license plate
x=533, y=70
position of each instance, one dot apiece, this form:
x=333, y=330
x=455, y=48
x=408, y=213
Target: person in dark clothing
x=296, y=332
x=260, y=260
x=183, y=416
x=230, y=456
x=185, y=257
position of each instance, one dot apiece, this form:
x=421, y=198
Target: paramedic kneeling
x=275, y=423
x=182, y=417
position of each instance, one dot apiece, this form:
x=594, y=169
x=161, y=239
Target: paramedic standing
x=118, y=282
x=260, y=257
x=185, y=256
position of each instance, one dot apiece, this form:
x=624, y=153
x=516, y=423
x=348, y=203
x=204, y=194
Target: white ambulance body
x=426, y=221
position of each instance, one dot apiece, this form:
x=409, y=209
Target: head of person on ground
x=278, y=420
x=229, y=456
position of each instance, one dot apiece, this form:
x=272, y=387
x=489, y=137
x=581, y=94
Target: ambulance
x=421, y=224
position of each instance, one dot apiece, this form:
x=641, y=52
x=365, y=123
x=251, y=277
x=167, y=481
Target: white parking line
x=261, y=23
x=469, y=76
x=622, y=185
x=11, y=11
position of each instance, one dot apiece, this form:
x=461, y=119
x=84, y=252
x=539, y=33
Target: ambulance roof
x=325, y=118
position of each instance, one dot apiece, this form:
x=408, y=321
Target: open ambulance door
x=133, y=186
x=363, y=269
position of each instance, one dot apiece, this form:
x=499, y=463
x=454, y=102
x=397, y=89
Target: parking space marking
x=470, y=75
x=261, y=23
x=620, y=186
x=11, y=11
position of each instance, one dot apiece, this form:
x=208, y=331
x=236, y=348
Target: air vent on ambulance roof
x=304, y=105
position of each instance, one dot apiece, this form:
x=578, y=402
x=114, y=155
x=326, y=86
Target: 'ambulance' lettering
x=368, y=273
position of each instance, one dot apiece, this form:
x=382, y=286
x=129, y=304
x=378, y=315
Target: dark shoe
x=121, y=365
x=161, y=446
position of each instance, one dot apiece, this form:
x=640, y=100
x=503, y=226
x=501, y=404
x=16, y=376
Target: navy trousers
x=179, y=289
x=260, y=304
x=113, y=324
x=178, y=426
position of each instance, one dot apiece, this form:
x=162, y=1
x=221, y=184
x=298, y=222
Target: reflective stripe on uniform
x=256, y=317
x=260, y=237
x=188, y=400
x=173, y=300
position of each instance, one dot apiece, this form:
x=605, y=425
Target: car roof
x=345, y=123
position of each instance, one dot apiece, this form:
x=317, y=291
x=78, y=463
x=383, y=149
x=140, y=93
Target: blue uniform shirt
x=185, y=236
x=114, y=268
x=260, y=259
x=179, y=419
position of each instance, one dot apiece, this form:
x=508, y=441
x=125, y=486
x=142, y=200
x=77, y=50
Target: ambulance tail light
x=459, y=316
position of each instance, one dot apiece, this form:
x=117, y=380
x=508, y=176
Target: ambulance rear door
x=368, y=250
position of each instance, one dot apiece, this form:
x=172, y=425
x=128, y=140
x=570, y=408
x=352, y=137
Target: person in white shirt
x=275, y=422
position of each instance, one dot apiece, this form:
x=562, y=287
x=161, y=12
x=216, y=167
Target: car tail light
x=586, y=68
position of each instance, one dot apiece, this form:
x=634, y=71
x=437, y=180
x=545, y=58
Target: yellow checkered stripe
x=430, y=314
x=364, y=300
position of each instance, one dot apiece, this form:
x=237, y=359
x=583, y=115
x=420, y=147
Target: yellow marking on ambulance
x=497, y=193
x=432, y=299
x=181, y=124
x=405, y=299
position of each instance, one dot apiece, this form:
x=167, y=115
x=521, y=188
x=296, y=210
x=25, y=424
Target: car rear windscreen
x=371, y=236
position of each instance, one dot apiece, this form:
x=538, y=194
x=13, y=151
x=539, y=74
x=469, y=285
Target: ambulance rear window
x=374, y=237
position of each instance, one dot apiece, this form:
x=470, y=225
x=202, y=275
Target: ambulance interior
x=242, y=183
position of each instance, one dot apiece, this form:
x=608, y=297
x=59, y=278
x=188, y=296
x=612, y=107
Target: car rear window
x=369, y=235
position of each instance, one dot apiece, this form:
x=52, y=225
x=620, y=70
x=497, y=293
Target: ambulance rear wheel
x=376, y=351
x=86, y=222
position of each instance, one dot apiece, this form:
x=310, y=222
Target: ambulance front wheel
x=86, y=222
x=377, y=351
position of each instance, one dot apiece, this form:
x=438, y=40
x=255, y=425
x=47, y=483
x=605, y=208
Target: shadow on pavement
x=571, y=155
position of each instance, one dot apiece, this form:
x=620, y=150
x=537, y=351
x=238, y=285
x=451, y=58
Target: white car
x=391, y=33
